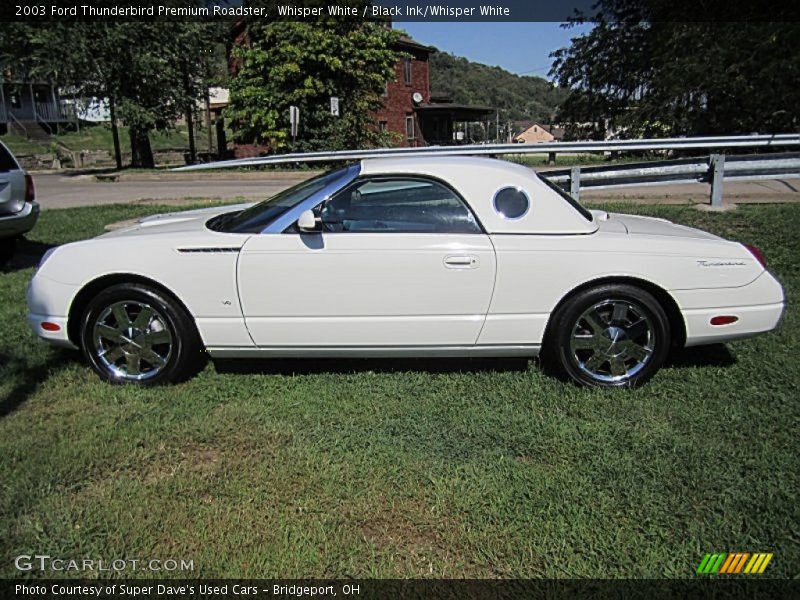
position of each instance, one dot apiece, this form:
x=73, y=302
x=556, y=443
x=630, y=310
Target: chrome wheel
x=132, y=340
x=612, y=341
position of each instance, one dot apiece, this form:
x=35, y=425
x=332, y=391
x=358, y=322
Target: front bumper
x=49, y=301
x=21, y=222
x=56, y=338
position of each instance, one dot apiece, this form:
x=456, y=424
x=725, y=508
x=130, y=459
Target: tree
x=304, y=64
x=518, y=97
x=643, y=73
x=150, y=71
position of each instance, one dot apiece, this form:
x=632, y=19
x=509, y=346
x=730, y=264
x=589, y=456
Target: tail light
x=757, y=255
x=30, y=190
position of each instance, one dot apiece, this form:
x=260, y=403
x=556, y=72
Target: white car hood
x=177, y=222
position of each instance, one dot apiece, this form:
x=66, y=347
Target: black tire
x=7, y=248
x=163, y=346
x=612, y=335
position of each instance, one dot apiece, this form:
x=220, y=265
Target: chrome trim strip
x=374, y=351
x=289, y=217
x=209, y=249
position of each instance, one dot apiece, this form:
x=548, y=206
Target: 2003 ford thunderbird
x=402, y=257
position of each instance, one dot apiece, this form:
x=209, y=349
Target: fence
x=714, y=169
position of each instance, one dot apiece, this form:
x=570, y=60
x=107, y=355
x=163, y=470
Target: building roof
x=525, y=126
x=406, y=42
x=460, y=112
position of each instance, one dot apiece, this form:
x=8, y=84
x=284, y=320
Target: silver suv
x=18, y=209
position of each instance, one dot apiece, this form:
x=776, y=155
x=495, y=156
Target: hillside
x=517, y=97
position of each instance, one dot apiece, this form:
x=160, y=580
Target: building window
x=410, y=129
x=385, y=88
x=383, y=126
x=407, y=71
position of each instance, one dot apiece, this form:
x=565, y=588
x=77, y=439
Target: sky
x=522, y=48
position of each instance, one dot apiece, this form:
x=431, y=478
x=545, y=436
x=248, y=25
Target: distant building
x=536, y=133
x=415, y=114
x=30, y=108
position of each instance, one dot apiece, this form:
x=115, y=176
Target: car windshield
x=573, y=203
x=258, y=216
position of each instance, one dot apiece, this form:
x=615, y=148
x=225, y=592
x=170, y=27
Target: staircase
x=32, y=130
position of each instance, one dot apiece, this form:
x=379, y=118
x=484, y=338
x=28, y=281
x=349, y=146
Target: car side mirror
x=307, y=222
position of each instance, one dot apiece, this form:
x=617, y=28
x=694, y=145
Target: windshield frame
x=282, y=220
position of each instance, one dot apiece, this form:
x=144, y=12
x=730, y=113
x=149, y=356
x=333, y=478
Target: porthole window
x=511, y=203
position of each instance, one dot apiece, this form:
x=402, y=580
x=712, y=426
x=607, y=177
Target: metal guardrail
x=689, y=143
x=713, y=169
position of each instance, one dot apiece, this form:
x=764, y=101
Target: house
x=416, y=115
x=30, y=108
x=536, y=133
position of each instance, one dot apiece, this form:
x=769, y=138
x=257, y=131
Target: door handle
x=461, y=261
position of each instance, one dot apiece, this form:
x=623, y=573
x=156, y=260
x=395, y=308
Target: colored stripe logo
x=734, y=563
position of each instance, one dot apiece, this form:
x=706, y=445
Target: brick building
x=416, y=115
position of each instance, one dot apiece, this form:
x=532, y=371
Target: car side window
x=397, y=205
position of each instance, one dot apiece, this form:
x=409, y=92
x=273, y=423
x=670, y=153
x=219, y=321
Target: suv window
x=7, y=162
x=397, y=205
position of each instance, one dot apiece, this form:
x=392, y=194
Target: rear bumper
x=758, y=306
x=21, y=222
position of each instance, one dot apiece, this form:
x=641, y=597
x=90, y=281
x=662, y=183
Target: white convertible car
x=402, y=257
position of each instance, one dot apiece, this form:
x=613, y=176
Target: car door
x=398, y=261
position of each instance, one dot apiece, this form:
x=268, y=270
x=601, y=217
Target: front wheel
x=135, y=334
x=609, y=336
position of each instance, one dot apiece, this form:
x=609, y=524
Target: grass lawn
x=407, y=469
x=98, y=137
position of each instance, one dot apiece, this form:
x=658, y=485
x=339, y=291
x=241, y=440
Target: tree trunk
x=190, y=126
x=115, y=132
x=141, y=153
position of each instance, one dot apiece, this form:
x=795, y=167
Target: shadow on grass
x=27, y=254
x=714, y=355
x=27, y=376
x=303, y=366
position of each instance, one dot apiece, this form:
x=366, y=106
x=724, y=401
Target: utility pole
x=114, y=131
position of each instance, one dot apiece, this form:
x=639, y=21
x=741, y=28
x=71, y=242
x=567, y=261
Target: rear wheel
x=609, y=336
x=134, y=334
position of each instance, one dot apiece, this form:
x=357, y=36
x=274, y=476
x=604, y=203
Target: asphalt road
x=61, y=191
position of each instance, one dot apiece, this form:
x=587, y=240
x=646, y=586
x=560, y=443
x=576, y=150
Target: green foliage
x=151, y=70
x=517, y=97
x=304, y=64
x=644, y=73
